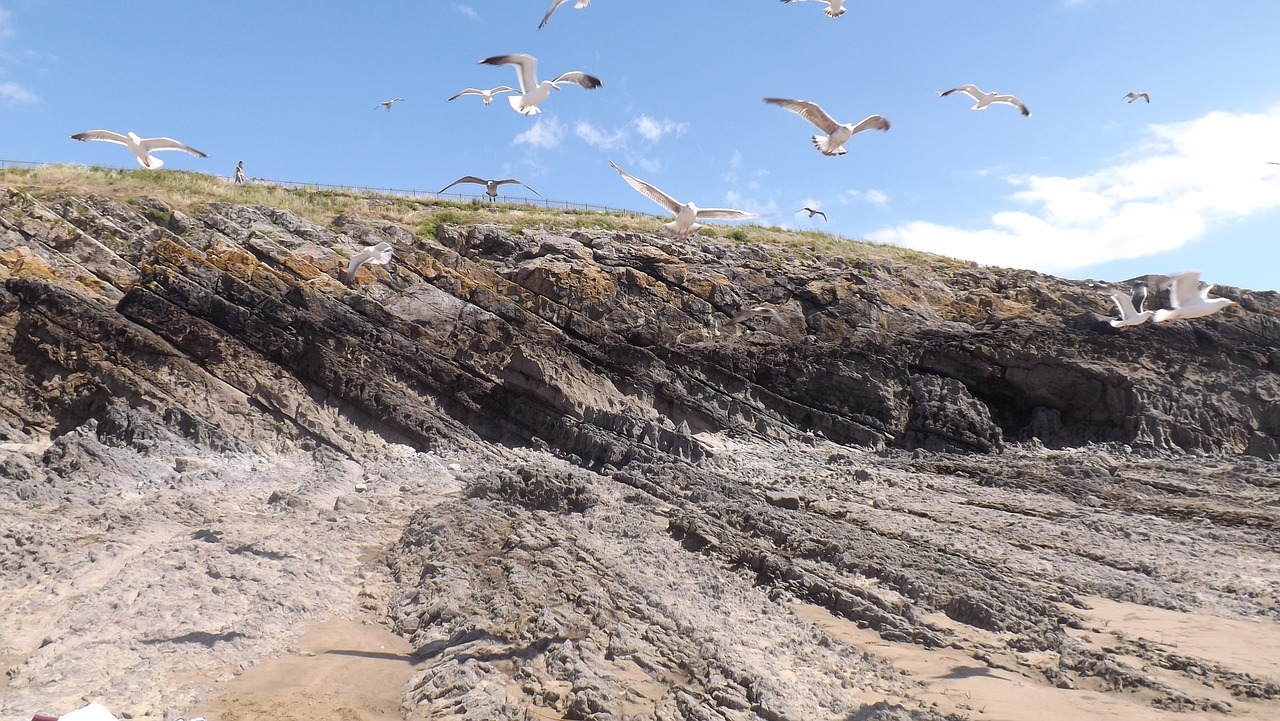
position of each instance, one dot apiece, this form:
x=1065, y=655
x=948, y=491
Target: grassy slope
x=188, y=192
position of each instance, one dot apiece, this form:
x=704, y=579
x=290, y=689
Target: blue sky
x=1088, y=186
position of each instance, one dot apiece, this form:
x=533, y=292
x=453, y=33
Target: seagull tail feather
x=827, y=146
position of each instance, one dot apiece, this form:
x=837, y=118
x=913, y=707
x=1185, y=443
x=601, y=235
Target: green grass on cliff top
x=189, y=192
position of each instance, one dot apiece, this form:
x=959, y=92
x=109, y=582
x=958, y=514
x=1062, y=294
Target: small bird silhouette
x=388, y=103
x=1135, y=95
x=812, y=212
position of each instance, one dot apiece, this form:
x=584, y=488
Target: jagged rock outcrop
x=651, y=491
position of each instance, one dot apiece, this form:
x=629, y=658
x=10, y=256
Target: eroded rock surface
x=552, y=463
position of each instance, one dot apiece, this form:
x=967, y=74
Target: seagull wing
x=153, y=144
x=356, y=261
x=1126, y=308
x=501, y=89
x=517, y=182
x=1185, y=290
x=970, y=90
x=467, y=91
x=725, y=214
x=105, y=136
x=590, y=82
x=1139, y=296
x=526, y=68
x=809, y=111
x=464, y=179
x=554, y=5
x=1011, y=100
x=873, y=122
x=648, y=191
x=819, y=212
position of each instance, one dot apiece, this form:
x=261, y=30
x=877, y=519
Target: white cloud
x=1184, y=179
x=652, y=129
x=598, y=138
x=467, y=11
x=545, y=134
x=16, y=94
x=873, y=196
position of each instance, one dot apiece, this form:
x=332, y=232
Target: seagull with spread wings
x=835, y=8
x=490, y=186
x=557, y=3
x=379, y=254
x=1189, y=300
x=533, y=92
x=984, y=98
x=485, y=95
x=142, y=147
x=1135, y=95
x=686, y=213
x=837, y=134
x=812, y=212
x=1131, y=312
x=388, y=103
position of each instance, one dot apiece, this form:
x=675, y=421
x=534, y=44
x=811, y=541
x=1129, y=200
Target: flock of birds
x=1187, y=298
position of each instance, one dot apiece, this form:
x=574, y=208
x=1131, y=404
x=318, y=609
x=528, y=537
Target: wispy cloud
x=653, y=130
x=598, y=138
x=544, y=134
x=17, y=94
x=1180, y=182
x=468, y=12
x=873, y=196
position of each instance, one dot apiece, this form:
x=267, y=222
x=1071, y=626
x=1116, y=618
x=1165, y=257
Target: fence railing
x=401, y=192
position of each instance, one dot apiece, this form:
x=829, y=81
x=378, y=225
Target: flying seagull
x=984, y=98
x=1189, y=300
x=837, y=133
x=533, y=92
x=812, y=212
x=379, y=254
x=490, y=186
x=141, y=147
x=1131, y=312
x=748, y=313
x=835, y=8
x=485, y=95
x=557, y=3
x=686, y=213
x=1135, y=95
x=389, y=103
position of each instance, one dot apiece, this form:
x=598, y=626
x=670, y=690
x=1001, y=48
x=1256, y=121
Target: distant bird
x=685, y=213
x=835, y=8
x=490, y=186
x=485, y=95
x=984, y=98
x=379, y=254
x=141, y=147
x=557, y=3
x=1135, y=95
x=837, y=133
x=533, y=92
x=239, y=178
x=812, y=212
x=1189, y=300
x=388, y=103
x=1131, y=312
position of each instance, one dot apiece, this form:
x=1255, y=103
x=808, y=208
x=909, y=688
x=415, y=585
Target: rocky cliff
x=598, y=497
